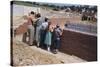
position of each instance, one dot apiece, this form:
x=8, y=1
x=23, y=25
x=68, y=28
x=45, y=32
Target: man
x=38, y=23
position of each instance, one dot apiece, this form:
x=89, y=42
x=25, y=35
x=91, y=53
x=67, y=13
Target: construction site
x=78, y=41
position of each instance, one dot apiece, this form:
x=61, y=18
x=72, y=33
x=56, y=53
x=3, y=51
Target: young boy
x=57, y=38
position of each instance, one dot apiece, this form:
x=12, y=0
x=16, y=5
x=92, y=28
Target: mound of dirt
x=24, y=55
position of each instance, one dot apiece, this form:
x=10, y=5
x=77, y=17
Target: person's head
x=46, y=19
x=48, y=28
x=32, y=14
x=49, y=23
x=57, y=26
x=38, y=15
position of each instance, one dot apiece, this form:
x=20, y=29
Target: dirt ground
x=56, y=17
x=24, y=55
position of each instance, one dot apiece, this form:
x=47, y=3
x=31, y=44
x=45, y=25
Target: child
x=48, y=36
x=57, y=38
x=44, y=27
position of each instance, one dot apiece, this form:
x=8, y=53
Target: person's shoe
x=56, y=50
x=30, y=44
x=37, y=44
x=49, y=49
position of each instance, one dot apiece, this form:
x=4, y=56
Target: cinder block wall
x=81, y=45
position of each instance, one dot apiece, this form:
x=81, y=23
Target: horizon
x=56, y=4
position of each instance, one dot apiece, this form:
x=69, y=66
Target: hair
x=46, y=19
x=48, y=27
x=57, y=25
x=32, y=12
x=49, y=23
x=38, y=15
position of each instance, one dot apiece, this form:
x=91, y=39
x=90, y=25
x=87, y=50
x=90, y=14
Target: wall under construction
x=81, y=45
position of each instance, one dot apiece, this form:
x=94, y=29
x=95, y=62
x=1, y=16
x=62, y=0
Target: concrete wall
x=81, y=45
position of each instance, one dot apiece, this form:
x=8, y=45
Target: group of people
x=41, y=32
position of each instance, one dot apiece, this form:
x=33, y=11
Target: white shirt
x=44, y=25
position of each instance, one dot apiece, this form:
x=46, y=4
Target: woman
x=48, y=36
x=31, y=27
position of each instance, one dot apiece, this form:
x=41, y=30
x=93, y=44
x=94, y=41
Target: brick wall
x=81, y=45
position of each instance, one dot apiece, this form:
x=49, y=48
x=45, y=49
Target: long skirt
x=48, y=38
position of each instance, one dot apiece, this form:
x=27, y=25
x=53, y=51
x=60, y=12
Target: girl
x=48, y=36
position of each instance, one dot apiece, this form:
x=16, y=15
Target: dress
x=48, y=38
